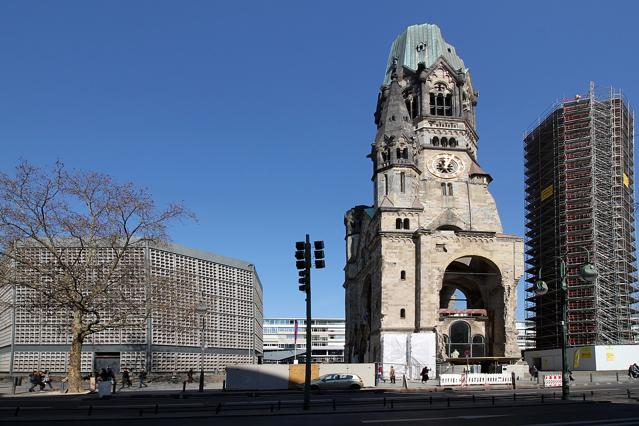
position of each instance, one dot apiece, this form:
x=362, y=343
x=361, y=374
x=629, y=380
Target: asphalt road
x=336, y=408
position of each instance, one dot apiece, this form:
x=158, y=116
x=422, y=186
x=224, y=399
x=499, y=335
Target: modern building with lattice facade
x=579, y=171
x=430, y=276
x=167, y=340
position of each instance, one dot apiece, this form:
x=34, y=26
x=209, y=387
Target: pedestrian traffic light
x=302, y=280
x=319, y=254
x=300, y=255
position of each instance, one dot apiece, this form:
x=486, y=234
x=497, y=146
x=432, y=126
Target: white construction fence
x=474, y=379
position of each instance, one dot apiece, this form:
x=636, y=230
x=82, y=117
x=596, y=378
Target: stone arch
x=480, y=280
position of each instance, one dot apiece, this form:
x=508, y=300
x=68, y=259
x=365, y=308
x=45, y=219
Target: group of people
x=633, y=371
x=391, y=374
x=40, y=379
x=108, y=375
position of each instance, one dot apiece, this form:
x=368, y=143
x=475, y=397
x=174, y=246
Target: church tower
x=429, y=274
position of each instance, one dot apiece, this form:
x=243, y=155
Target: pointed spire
x=395, y=120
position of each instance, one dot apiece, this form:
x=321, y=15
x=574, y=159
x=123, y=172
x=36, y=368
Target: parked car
x=337, y=381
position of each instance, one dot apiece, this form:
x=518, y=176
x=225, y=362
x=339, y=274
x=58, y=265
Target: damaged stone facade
x=433, y=232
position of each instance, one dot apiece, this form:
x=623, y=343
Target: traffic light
x=302, y=280
x=300, y=255
x=319, y=254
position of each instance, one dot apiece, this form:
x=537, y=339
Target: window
x=406, y=224
x=399, y=153
x=402, y=275
x=398, y=224
x=444, y=142
x=450, y=189
x=452, y=143
x=402, y=182
x=447, y=189
x=386, y=184
x=402, y=313
x=405, y=154
x=444, y=189
x=460, y=339
x=435, y=141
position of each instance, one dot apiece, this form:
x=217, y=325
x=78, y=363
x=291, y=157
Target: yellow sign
x=581, y=353
x=626, y=180
x=610, y=356
x=546, y=192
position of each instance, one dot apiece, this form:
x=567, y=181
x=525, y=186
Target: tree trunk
x=75, y=356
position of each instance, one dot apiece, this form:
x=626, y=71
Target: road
x=336, y=408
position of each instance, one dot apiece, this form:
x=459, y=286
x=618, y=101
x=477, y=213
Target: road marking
x=623, y=420
x=434, y=418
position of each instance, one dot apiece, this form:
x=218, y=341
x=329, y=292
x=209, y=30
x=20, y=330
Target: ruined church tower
x=429, y=274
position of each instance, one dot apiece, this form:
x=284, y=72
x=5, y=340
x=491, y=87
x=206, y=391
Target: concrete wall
x=257, y=377
x=284, y=376
x=587, y=358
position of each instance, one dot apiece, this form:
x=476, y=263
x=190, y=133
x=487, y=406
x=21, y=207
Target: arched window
x=452, y=143
x=433, y=106
x=406, y=224
x=398, y=223
x=444, y=142
x=450, y=189
x=460, y=339
x=435, y=141
x=444, y=189
x=402, y=313
x=402, y=182
x=448, y=105
x=386, y=184
x=399, y=153
x=405, y=154
x=402, y=275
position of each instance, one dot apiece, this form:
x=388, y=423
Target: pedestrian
x=104, y=376
x=34, y=379
x=46, y=379
x=126, y=378
x=635, y=370
x=533, y=372
x=189, y=376
x=380, y=375
x=424, y=374
x=392, y=374
x=142, y=378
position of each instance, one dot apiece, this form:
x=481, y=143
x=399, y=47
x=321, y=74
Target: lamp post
x=201, y=311
x=587, y=272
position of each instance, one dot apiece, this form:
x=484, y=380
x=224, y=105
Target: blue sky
x=258, y=115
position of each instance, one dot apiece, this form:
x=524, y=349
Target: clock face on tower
x=446, y=166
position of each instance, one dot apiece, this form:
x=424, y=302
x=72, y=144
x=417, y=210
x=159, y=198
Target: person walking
x=424, y=374
x=35, y=380
x=142, y=378
x=46, y=379
x=189, y=376
x=392, y=374
x=126, y=378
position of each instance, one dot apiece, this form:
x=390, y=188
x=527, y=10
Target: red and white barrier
x=552, y=380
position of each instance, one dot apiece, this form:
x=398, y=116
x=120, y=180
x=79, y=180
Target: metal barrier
x=474, y=379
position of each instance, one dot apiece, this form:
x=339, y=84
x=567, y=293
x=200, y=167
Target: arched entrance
x=471, y=309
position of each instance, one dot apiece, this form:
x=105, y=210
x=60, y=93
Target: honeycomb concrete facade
x=429, y=256
x=167, y=340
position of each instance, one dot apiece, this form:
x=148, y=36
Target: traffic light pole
x=309, y=351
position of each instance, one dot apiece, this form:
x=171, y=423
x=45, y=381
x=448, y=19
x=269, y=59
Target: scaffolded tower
x=579, y=207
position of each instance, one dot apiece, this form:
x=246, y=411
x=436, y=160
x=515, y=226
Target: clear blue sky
x=258, y=115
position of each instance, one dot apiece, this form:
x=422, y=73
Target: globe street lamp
x=201, y=311
x=587, y=272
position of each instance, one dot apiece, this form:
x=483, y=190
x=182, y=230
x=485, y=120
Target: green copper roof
x=428, y=37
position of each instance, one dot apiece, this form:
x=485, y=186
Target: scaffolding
x=580, y=206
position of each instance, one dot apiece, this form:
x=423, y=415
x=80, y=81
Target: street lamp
x=201, y=311
x=587, y=272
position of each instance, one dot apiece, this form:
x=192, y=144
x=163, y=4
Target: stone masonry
x=429, y=255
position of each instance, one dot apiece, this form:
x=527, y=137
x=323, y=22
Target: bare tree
x=71, y=245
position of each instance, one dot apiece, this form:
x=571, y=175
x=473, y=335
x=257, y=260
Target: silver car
x=337, y=381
